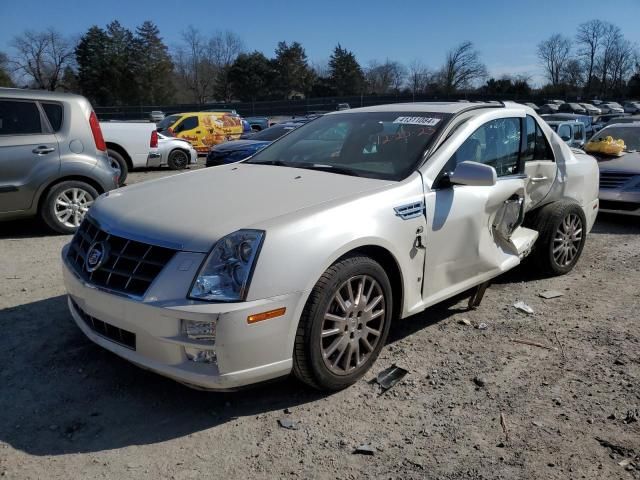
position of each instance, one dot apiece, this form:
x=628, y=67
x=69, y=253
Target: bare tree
x=462, y=67
x=622, y=63
x=223, y=49
x=589, y=40
x=202, y=65
x=610, y=45
x=41, y=57
x=195, y=68
x=554, y=53
x=418, y=77
x=385, y=77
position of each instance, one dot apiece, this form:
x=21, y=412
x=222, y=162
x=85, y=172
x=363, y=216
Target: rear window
x=19, y=118
x=54, y=115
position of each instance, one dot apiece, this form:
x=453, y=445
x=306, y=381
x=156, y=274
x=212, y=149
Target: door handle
x=538, y=179
x=198, y=131
x=43, y=150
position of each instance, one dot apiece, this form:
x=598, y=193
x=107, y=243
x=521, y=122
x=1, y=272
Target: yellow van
x=203, y=129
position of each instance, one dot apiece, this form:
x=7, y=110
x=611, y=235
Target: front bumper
x=246, y=353
x=619, y=201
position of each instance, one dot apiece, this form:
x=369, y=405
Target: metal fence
x=294, y=107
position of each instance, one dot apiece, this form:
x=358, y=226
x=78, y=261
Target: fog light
x=203, y=331
x=200, y=356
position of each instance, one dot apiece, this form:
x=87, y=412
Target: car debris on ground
x=523, y=307
x=389, y=377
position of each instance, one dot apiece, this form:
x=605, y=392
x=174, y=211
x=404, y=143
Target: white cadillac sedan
x=299, y=258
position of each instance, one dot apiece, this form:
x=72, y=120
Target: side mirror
x=474, y=174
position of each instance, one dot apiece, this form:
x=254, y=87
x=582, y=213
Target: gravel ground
x=475, y=404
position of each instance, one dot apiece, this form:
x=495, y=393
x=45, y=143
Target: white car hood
x=191, y=211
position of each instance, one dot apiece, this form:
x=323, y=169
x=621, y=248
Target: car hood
x=629, y=162
x=190, y=211
x=239, y=145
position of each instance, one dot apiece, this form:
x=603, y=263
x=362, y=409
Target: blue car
x=236, y=150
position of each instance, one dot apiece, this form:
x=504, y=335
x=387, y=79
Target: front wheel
x=178, y=159
x=344, y=324
x=562, y=229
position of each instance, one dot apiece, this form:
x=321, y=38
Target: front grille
x=128, y=267
x=106, y=330
x=614, y=179
x=622, y=206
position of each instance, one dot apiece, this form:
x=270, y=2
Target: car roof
x=432, y=107
x=27, y=94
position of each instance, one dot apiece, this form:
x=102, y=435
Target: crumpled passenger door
x=474, y=233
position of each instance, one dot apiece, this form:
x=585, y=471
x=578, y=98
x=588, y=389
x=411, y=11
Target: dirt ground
x=476, y=403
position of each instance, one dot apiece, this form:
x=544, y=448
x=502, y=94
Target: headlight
x=226, y=273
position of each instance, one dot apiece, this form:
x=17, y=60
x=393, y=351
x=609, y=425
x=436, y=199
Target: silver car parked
x=53, y=159
x=620, y=176
x=298, y=258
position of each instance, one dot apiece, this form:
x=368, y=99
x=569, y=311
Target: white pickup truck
x=130, y=145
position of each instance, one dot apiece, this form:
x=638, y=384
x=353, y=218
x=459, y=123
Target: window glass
x=564, y=131
x=54, y=114
x=168, y=121
x=537, y=147
x=188, y=123
x=577, y=134
x=19, y=118
x=496, y=143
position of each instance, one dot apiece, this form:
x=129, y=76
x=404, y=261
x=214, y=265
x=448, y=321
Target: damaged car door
x=475, y=228
x=539, y=163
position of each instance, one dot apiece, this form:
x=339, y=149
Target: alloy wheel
x=71, y=205
x=352, y=324
x=567, y=240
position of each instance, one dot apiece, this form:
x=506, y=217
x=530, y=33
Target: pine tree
x=155, y=66
x=345, y=75
x=124, y=57
x=250, y=76
x=94, y=73
x=294, y=74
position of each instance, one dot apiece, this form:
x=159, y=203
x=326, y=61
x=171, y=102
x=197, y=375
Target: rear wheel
x=178, y=159
x=562, y=235
x=119, y=164
x=344, y=324
x=66, y=205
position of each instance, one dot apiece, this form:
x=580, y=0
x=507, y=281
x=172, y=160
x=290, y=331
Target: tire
x=81, y=194
x=118, y=163
x=313, y=357
x=178, y=159
x=561, y=226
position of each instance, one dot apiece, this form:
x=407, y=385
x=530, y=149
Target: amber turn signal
x=258, y=317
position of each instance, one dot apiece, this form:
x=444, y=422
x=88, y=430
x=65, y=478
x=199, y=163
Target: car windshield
x=384, y=145
x=167, y=122
x=272, y=133
x=630, y=135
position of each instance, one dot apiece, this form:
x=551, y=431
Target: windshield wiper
x=329, y=168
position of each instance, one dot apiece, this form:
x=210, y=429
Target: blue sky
x=506, y=33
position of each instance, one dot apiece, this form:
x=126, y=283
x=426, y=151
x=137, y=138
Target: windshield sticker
x=425, y=121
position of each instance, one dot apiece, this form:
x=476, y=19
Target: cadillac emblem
x=96, y=256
